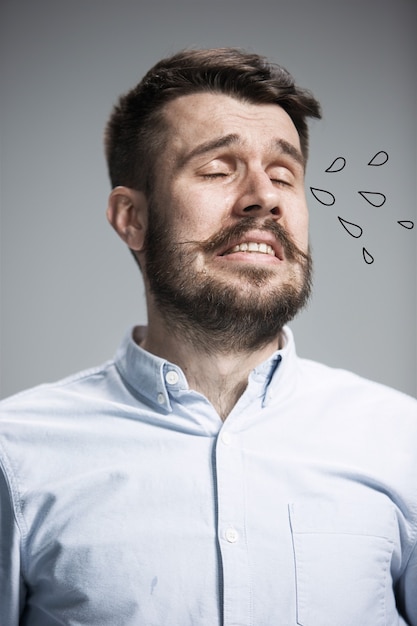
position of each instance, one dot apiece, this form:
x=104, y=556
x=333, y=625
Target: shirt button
x=161, y=398
x=172, y=377
x=232, y=535
x=226, y=438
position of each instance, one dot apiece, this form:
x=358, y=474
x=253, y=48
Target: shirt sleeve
x=12, y=590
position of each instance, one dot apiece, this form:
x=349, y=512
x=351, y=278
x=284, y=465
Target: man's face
x=227, y=242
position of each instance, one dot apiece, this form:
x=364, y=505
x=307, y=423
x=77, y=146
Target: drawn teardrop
x=373, y=197
x=406, y=224
x=323, y=196
x=337, y=165
x=367, y=257
x=353, y=229
x=380, y=158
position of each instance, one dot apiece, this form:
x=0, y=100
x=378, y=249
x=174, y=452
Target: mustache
x=227, y=236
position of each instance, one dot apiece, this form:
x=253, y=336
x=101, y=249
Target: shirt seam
x=16, y=504
x=412, y=548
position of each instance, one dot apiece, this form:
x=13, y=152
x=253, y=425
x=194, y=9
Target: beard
x=216, y=311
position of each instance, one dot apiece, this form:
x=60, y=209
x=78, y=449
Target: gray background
x=69, y=289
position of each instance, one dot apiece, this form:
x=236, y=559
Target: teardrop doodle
x=368, y=258
x=353, y=229
x=337, y=165
x=380, y=158
x=373, y=197
x=406, y=224
x=324, y=197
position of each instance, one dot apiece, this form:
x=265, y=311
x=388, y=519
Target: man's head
x=137, y=129
x=207, y=156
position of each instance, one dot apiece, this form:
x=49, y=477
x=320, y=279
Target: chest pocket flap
x=342, y=561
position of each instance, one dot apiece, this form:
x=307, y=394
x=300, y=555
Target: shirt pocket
x=342, y=564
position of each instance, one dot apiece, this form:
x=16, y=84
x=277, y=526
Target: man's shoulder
x=52, y=394
x=351, y=387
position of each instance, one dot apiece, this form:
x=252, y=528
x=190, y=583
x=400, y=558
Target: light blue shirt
x=125, y=500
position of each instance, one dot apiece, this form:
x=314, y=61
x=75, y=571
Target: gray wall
x=69, y=289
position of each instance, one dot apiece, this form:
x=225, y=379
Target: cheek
x=201, y=212
x=297, y=224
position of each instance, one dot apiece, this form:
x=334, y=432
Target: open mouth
x=258, y=243
x=251, y=246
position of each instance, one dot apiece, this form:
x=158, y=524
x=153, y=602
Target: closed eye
x=215, y=175
x=279, y=181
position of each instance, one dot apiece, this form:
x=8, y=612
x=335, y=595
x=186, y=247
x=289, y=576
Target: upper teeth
x=252, y=246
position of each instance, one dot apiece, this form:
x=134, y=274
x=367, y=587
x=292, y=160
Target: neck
x=220, y=375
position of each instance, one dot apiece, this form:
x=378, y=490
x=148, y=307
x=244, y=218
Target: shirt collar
x=277, y=373
x=154, y=378
x=145, y=373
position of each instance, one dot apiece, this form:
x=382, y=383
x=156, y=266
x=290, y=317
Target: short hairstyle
x=136, y=129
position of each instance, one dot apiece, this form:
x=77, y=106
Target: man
x=207, y=475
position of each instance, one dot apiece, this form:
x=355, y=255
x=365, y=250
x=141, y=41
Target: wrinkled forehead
x=198, y=118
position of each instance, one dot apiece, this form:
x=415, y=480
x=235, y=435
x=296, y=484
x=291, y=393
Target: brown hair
x=134, y=133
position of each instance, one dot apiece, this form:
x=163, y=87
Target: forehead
x=198, y=118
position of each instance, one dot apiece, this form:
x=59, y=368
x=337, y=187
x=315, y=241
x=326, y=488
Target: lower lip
x=251, y=257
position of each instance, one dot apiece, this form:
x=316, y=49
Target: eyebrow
x=209, y=146
x=288, y=149
x=283, y=146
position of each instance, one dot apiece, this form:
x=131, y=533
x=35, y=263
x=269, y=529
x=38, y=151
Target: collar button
x=172, y=377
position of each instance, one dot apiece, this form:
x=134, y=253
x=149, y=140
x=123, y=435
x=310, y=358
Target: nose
x=258, y=195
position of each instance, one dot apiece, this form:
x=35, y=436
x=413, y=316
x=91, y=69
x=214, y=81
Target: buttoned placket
x=235, y=580
x=231, y=478
x=231, y=530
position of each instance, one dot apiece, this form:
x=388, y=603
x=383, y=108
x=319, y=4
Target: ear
x=127, y=212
